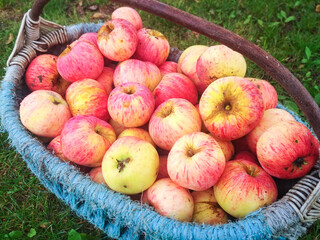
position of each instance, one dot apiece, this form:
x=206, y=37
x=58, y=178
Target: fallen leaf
x=196, y=34
x=9, y=39
x=93, y=7
x=80, y=3
x=98, y=15
x=80, y=10
x=318, y=8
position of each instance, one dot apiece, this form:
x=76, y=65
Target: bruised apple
x=42, y=74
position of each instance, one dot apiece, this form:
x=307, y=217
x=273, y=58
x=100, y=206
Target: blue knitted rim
x=114, y=213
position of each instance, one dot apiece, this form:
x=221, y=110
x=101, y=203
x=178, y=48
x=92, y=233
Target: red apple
x=243, y=188
x=90, y=37
x=44, y=113
x=175, y=85
x=96, y=175
x=152, y=46
x=117, y=127
x=171, y=120
x=88, y=97
x=170, y=200
x=241, y=144
x=106, y=79
x=131, y=104
x=246, y=155
x=133, y=70
x=268, y=93
x=231, y=107
x=130, y=165
x=188, y=62
x=42, y=74
x=226, y=147
x=55, y=147
x=270, y=118
x=203, y=127
x=168, y=67
x=80, y=60
x=196, y=161
x=219, y=61
x=163, y=170
x=287, y=150
x=85, y=140
x=128, y=14
x=117, y=39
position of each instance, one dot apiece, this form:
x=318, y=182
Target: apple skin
x=170, y=200
x=220, y=61
x=106, y=79
x=131, y=165
x=80, y=60
x=168, y=67
x=117, y=127
x=163, y=170
x=246, y=155
x=117, y=40
x=268, y=92
x=287, y=150
x=203, y=127
x=175, y=85
x=88, y=97
x=243, y=188
x=90, y=37
x=196, y=161
x=153, y=46
x=96, y=175
x=133, y=70
x=44, y=113
x=188, y=62
x=128, y=14
x=171, y=120
x=226, y=147
x=42, y=74
x=85, y=139
x=139, y=133
x=231, y=107
x=55, y=147
x=241, y=144
x=131, y=104
x=270, y=118
x=206, y=208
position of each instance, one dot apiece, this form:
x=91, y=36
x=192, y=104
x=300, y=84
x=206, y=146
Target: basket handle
x=263, y=59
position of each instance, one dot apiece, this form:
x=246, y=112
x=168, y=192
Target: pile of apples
x=196, y=139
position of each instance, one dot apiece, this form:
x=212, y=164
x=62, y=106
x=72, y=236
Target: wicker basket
x=116, y=214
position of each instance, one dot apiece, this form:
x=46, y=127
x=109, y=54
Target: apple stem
x=122, y=163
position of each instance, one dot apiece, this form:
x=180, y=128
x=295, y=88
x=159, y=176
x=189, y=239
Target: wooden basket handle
x=263, y=59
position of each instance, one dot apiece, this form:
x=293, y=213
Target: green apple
x=130, y=165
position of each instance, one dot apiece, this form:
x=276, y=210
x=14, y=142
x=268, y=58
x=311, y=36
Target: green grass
x=288, y=30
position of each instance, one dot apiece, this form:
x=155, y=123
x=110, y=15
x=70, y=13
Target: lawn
x=288, y=30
